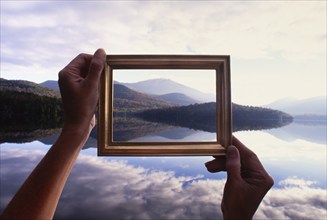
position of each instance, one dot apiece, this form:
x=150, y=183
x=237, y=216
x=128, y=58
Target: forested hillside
x=19, y=110
x=256, y=118
x=177, y=99
x=27, y=106
x=203, y=116
x=22, y=86
x=127, y=100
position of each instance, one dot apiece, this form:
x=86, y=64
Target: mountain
x=258, y=118
x=177, y=99
x=51, y=84
x=26, y=106
x=22, y=86
x=310, y=106
x=167, y=86
x=126, y=99
x=174, y=98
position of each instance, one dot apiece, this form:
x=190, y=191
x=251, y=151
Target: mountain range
x=163, y=89
x=174, y=93
x=128, y=100
x=23, y=86
x=167, y=86
x=51, y=84
x=295, y=107
x=177, y=99
x=27, y=106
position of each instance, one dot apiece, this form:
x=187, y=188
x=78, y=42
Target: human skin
x=39, y=195
x=247, y=181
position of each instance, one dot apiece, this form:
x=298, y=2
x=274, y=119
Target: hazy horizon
x=282, y=54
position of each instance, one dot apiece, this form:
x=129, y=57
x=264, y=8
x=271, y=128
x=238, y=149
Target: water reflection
x=22, y=136
x=136, y=129
x=177, y=134
x=311, y=132
x=120, y=188
x=175, y=187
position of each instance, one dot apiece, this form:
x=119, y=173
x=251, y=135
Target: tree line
x=25, y=111
x=203, y=117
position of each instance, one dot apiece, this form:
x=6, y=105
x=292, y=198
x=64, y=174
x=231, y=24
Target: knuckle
x=266, y=181
x=253, y=156
x=62, y=74
x=269, y=181
x=96, y=65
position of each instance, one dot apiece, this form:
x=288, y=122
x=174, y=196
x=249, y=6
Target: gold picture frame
x=219, y=63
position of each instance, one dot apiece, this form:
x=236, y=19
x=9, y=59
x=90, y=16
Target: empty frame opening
x=164, y=105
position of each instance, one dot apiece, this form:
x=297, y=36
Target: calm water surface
x=180, y=187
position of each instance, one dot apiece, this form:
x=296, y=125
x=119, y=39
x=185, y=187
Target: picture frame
x=219, y=63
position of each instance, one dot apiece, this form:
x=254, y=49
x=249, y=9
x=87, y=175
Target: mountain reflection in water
x=136, y=129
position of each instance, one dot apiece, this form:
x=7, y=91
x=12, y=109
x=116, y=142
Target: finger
x=76, y=66
x=241, y=147
x=93, y=122
x=80, y=62
x=96, y=66
x=249, y=159
x=219, y=156
x=233, y=164
x=216, y=165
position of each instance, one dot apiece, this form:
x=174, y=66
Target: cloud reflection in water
x=99, y=188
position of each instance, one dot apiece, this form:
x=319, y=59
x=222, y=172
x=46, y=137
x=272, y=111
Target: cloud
x=173, y=27
x=296, y=182
x=298, y=200
x=271, y=43
x=99, y=188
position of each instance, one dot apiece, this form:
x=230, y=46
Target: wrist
x=76, y=131
x=80, y=127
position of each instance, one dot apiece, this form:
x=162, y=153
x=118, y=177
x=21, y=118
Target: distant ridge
x=163, y=89
x=177, y=99
x=23, y=86
x=51, y=84
x=309, y=106
x=126, y=98
x=165, y=86
x=28, y=106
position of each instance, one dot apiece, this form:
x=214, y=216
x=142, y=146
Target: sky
x=200, y=79
x=277, y=48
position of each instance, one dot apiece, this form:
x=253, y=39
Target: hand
x=247, y=181
x=79, y=82
x=39, y=195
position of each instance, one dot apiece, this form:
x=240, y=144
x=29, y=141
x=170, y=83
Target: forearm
x=39, y=195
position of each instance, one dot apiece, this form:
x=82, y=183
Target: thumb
x=96, y=66
x=233, y=164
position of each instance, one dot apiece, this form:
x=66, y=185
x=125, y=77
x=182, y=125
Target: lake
x=179, y=187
